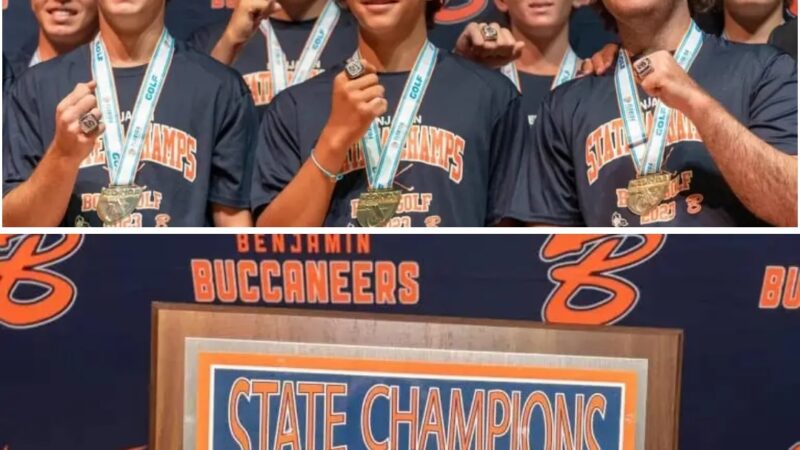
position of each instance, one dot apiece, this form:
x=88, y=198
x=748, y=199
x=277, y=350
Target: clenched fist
x=494, y=54
x=69, y=140
x=355, y=104
x=246, y=18
x=668, y=82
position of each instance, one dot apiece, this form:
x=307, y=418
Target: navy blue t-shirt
x=535, y=89
x=579, y=164
x=198, y=148
x=252, y=62
x=459, y=164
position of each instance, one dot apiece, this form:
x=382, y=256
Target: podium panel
x=287, y=379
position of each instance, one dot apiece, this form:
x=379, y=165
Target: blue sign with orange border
x=291, y=402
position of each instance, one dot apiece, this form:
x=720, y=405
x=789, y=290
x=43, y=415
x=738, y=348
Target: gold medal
x=118, y=202
x=376, y=207
x=647, y=192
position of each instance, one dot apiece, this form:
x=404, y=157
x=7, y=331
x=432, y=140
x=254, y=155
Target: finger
x=464, y=39
x=96, y=112
x=81, y=90
x=85, y=104
x=506, y=43
x=378, y=106
x=587, y=67
x=363, y=82
x=372, y=92
x=476, y=36
x=518, y=47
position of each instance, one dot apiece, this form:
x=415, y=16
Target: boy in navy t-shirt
x=725, y=150
x=300, y=39
x=275, y=46
x=187, y=162
x=442, y=136
x=547, y=59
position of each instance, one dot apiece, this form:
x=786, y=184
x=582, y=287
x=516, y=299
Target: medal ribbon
x=315, y=44
x=122, y=157
x=566, y=71
x=647, y=152
x=382, y=161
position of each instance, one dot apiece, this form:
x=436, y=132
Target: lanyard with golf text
x=122, y=156
x=315, y=44
x=382, y=161
x=566, y=71
x=647, y=152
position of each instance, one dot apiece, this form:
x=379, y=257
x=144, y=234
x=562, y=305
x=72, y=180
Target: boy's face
x=537, y=15
x=66, y=21
x=387, y=16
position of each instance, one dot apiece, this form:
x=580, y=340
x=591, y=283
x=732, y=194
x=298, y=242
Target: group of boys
x=326, y=113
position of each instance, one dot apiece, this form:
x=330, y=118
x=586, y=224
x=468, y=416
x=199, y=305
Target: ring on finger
x=354, y=69
x=643, y=67
x=489, y=33
x=88, y=123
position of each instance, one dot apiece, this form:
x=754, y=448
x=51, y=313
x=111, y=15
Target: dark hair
x=696, y=7
x=431, y=8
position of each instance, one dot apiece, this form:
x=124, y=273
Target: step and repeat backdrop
x=75, y=313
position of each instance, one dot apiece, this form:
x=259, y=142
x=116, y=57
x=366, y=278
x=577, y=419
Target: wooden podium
x=634, y=373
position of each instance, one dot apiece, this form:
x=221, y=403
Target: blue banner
x=75, y=313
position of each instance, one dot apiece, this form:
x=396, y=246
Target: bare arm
x=762, y=177
x=243, y=23
x=41, y=201
x=226, y=216
x=304, y=202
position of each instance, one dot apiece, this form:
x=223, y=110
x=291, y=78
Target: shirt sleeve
x=232, y=157
x=546, y=191
x=278, y=153
x=509, y=135
x=773, y=107
x=22, y=141
x=203, y=39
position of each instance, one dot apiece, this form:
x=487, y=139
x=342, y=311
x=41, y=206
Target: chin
x=633, y=8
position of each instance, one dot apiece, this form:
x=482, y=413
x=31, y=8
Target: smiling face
x=66, y=22
x=537, y=16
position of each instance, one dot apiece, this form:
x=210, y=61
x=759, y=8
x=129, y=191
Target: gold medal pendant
x=118, y=202
x=647, y=192
x=377, y=207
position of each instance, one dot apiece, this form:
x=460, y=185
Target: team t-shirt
x=459, y=164
x=535, y=89
x=198, y=148
x=252, y=62
x=579, y=164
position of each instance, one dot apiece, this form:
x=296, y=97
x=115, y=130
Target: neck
x=390, y=53
x=49, y=49
x=650, y=34
x=298, y=11
x=752, y=30
x=129, y=48
x=542, y=55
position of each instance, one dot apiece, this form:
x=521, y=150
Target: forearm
x=41, y=201
x=226, y=216
x=305, y=201
x=762, y=177
x=226, y=50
